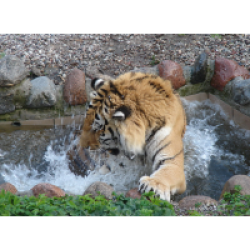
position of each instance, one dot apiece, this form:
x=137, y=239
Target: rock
x=8, y=187
x=242, y=180
x=48, y=189
x=15, y=97
x=42, y=93
x=12, y=71
x=133, y=193
x=199, y=70
x=104, y=170
x=241, y=92
x=36, y=71
x=6, y=104
x=172, y=71
x=189, y=202
x=74, y=88
x=101, y=187
x=226, y=70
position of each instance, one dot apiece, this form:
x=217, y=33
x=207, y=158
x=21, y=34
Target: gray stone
x=101, y=187
x=6, y=104
x=12, y=71
x=43, y=93
x=241, y=92
x=15, y=97
x=199, y=71
x=189, y=202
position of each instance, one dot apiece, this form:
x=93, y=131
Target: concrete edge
x=239, y=118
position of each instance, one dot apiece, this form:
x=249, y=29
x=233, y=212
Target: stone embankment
x=26, y=98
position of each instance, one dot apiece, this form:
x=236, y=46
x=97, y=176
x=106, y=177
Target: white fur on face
x=92, y=94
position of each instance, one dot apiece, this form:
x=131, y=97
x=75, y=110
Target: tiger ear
x=122, y=113
x=96, y=83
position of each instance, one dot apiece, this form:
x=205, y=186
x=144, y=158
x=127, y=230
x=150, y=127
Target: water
x=215, y=149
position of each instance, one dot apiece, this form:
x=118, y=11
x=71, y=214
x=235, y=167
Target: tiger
x=142, y=115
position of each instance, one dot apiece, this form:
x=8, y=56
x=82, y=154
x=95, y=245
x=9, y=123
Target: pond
x=215, y=149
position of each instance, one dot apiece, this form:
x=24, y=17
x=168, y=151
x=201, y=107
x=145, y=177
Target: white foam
x=199, y=146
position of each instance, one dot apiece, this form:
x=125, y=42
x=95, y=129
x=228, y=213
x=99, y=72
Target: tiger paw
x=147, y=184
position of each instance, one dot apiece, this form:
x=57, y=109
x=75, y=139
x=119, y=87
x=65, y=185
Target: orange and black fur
x=140, y=114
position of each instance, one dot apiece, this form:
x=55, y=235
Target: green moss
x=192, y=89
x=6, y=117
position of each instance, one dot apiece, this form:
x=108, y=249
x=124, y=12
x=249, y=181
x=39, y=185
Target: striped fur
x=140, y=114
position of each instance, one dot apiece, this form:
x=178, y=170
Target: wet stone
x=6, y=104
x=241, y=92
x=199, y=70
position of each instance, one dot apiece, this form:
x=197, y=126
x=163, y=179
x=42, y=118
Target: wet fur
x=140, y=113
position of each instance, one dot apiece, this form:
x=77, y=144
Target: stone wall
x=54, y=55
x=37, y=80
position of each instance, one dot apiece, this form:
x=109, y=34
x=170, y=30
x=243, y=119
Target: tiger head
x=124, y=111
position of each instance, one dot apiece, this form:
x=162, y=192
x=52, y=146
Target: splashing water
x=28, y=158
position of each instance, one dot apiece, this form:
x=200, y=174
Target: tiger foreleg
x=168, y=180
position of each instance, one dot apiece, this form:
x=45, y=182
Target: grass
x=2, y=55
x=153, y=61
x=232, y=204
x=214, y=35
x=148, y=205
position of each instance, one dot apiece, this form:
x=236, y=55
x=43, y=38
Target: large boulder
x=242, y=180
x=8, y=187
x=48, y=189
x=199, y=70
x=7, y=104
x=12, y=71
x=241, y=91
x=15, y=97
x=173, y=72
x=101, y=187
x=226, y=70
x=74, y=88
x=133, y=193
x=189, y=202
x=42, y=93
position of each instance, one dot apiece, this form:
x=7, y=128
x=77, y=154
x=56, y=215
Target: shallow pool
x=215, y=149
